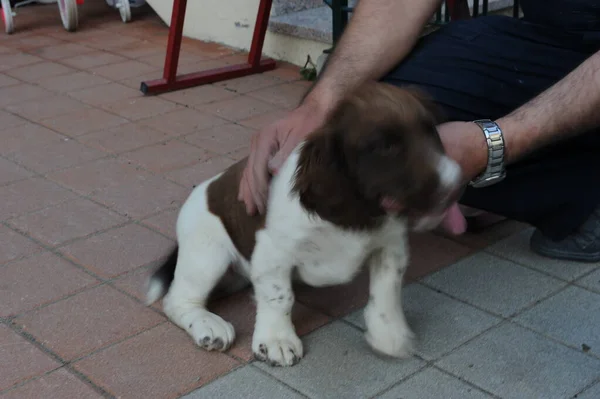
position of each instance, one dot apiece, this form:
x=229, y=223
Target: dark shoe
x=583, y=246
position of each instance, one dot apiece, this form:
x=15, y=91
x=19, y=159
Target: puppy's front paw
x=278, y=350
x=211, y=332
x=389, y=335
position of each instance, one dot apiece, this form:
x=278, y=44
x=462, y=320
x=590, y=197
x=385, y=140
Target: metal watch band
x=495, y=170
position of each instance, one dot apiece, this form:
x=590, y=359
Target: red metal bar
x=171, y=81
x=459, y=9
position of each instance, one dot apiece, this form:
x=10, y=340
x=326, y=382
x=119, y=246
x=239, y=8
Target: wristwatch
x=495, y=171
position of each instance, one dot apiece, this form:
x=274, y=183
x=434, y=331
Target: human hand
x=269, y=149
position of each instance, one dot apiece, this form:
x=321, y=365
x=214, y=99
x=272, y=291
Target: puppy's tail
x=161, y=279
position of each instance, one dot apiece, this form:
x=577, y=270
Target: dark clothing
x=485, y=68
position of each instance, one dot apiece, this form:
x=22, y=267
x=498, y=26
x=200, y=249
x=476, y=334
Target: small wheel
x=7, y=17
x=124, y=10
x=68, y=14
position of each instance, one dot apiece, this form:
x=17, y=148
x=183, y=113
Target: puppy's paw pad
x=211, y=332
x=279, y=353
x=395, y=343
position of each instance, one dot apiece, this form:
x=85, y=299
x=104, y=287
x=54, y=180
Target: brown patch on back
x=223, y=203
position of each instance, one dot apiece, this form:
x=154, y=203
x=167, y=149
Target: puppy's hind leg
x=199, y=269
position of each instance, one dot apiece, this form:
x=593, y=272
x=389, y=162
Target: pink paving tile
x=99, y=175
x=58, y=384
x=197, y=96
x=32, y=41
x=139, y=49
x=24, y=136
x=250, y=83
x=81, y=122
x=104, y=94
x=123, y=138
x=285, y=71
x=193, y=175
x=183, y=121
x=222, y=139
x=47, y=107
x=61, y=51
x=167, y=156
x=13, y=245
x=240, y=310
x=66, y=221
x=8, y=120
x=286, y=96
x=30, y=195
x=15, y=60
x=108, y=40
x=7, y=80
x=49, y=157
x=20, y=359
x=264, y=120
x=93, y=59
x=118, y=251
x=164, y=222
x=136, y=81
x=336, y=301
x=239, y=154
x=123, y=70
x=429, y=253
x=140, y=107
x=135, y=283
x=22, y=92
x=88, y=321
x=10, y=172
x=159, y=363
x=157, y=59
x=71, y=82
x=38, y=280
x=34, y=72
x=238, y=108
x=142, y=197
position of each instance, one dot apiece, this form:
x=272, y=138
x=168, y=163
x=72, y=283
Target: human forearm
x=569, y=107
x=379, y=35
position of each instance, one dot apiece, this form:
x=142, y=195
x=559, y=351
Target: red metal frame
x=171, y=81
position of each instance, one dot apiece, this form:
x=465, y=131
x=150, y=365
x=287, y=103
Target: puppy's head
x=379, y=154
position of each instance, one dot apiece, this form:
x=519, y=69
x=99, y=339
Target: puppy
x=344, y=199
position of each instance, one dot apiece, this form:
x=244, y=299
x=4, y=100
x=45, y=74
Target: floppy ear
x=324, y=185
x=433, y=112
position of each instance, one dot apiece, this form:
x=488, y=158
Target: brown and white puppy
x=344, y=199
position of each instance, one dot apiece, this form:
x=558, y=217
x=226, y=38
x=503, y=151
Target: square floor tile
x=104, y=94
x=85, y=121
x=8, y=120
x=430, y=253
x=139, y=108
x=122, y=70
x=22, y=92
x=590, y=393
x=127, y=137
x=46, y=158
x=135, y=283
x=516, y=248
x=255, y=383
x=193, y=175
x=33, y=72
x=439, y=323
x=197, y=96
x=493, y=284
x=142, y=197
x=167, y=156
x=165, y=222
x=47, y=107
x=591, y=281
x=88, y=321
x=240, y=310
x=14, y=60
x=572, y=316
x=66, y=221
x=37, y=280
x=239, y=108
x=31, y=195
x=22, y=137
x=250, y=83
x=222, y=139
x=72, y=82
x=264, y=120
x=10, y=172
x=20, y=359
x=13, y=245
x=159, y=363
x=512, y=362
x=93, y=59
x=58, y=384
x=286, y=96
x=435, y=384
x=337, y=359
x=119, y=250
x=182, y=121
x=61, y=51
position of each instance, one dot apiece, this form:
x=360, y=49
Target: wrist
x=491, y=162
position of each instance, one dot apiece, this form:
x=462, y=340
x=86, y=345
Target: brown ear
x=434, y=111
x=324, y=185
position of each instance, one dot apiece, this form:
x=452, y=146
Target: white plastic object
x=124, y=10
x=7, y=17
x=68, y=14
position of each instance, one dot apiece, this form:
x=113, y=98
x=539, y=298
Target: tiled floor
x=91, y=178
